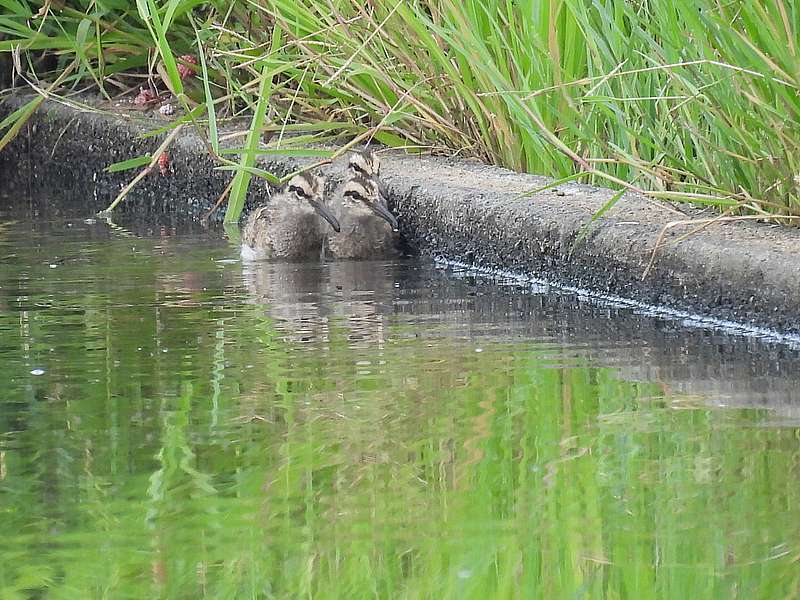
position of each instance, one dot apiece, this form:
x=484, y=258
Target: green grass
x=683, y=99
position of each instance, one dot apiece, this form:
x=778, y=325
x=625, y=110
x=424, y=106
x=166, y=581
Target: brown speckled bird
x=367, y=229
x=289, y=225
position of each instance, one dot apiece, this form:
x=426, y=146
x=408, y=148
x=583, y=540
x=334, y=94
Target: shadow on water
x=177, y=424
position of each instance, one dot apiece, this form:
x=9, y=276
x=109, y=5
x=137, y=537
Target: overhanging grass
x=684, y=99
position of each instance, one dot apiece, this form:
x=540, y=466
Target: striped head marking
x=306, y=186
x=367, y=191
x=364, y=164
x=361, y=189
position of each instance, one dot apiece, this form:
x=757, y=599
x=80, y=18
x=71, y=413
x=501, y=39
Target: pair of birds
x=359, y=225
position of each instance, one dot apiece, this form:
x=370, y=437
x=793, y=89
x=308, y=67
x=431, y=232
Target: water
x=174, y=424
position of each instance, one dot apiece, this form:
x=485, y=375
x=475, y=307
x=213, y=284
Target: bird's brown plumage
x=291, y=224
x=368, y=229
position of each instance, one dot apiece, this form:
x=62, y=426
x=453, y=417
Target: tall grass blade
x=213, y=134
x=242, y=178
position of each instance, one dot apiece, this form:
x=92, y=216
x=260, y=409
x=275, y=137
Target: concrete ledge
x=454, y=210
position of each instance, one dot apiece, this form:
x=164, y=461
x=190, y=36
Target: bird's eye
x=298, y=190
x=355, y=195
x=359, y=169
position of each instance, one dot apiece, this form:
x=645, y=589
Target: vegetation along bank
x=686, y=100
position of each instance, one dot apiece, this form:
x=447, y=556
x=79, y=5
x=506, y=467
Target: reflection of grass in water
x=441, y=473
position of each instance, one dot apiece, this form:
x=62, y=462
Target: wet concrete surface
x=448, y=209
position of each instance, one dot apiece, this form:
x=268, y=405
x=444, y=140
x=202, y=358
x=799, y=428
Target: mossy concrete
x=450, y=209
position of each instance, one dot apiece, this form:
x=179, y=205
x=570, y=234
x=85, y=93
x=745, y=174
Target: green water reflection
x=173, y=425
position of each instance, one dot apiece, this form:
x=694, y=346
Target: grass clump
x=681, y=99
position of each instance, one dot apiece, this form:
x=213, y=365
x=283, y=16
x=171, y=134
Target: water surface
x=174, y=424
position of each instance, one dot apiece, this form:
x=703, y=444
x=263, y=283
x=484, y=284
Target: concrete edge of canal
x=454, y=210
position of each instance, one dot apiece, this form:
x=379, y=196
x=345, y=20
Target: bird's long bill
x=379, y=209
x=326, y=214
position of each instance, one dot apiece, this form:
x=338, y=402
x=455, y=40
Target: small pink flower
x=144, y=97
x=184, y=70
x=163, y=163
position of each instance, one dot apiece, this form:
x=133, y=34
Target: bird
x=367, y=229
x=289, y=225
x=364, y=163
